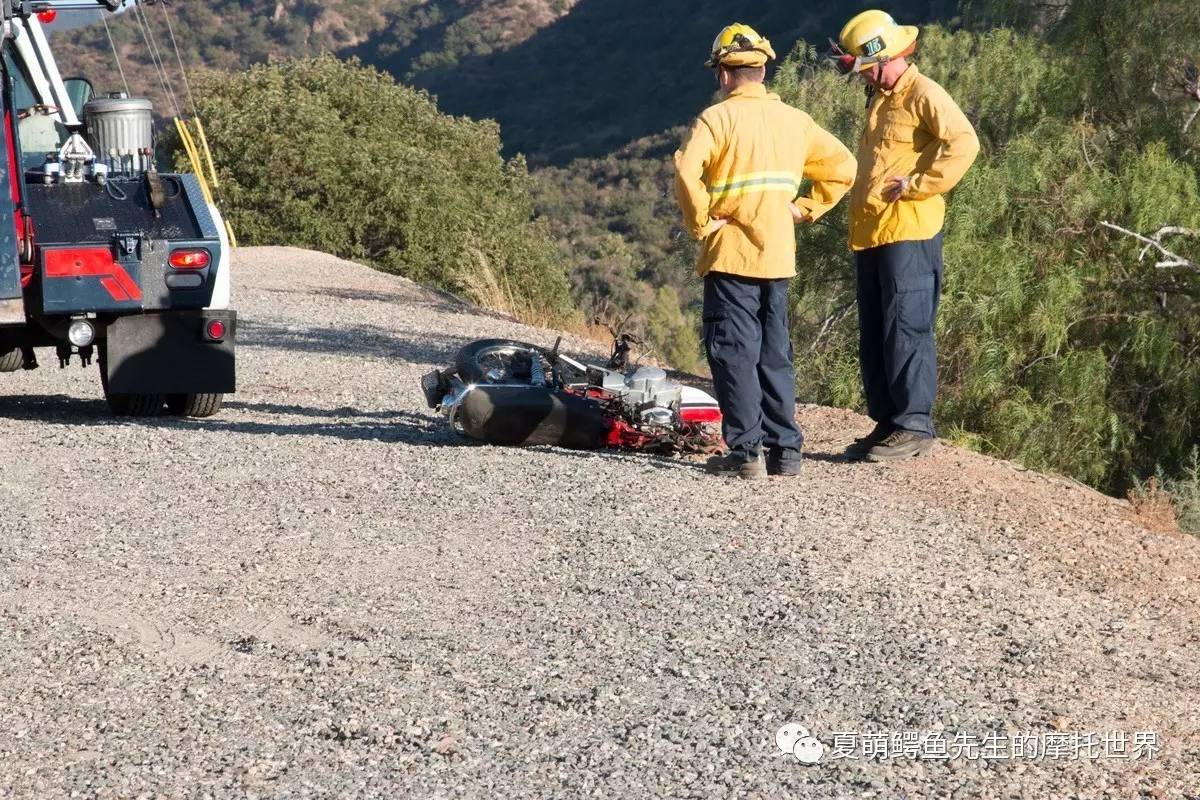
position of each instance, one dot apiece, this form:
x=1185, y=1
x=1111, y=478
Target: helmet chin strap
x=876, y=82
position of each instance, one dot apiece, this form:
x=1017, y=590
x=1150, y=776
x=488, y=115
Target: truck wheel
x=128, y=405
x=11, y=361
x=195, y=405
x=135, y=405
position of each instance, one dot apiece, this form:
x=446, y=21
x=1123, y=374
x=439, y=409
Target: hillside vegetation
x=426, y=196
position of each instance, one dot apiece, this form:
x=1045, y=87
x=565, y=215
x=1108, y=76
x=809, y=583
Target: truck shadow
x=350, y=424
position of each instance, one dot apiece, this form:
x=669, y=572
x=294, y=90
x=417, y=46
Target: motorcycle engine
x=651, y=396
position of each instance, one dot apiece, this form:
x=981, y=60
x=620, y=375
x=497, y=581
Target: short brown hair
x=746, y=74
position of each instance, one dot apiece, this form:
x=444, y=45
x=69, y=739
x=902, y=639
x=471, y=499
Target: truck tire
x=128, y=405
x=194, y=405
x=11, y=361
x=135, y=405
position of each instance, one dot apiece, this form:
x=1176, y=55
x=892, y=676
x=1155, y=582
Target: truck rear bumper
x=171, y=353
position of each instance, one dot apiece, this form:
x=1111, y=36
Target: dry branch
x=1155, y=241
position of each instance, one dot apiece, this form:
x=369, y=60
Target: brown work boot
x=901, y=445
x=859, y=448
x=748, y=466
x=785, y=463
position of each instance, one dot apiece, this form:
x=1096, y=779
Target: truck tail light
x=190, y=259
x=214, y=330
x=47, y=16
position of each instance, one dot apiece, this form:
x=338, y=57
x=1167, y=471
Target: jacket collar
x=754, y=90
x=904, y=82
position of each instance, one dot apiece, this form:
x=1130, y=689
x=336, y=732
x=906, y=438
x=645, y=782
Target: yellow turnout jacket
x=914, y=130
x=743, y=160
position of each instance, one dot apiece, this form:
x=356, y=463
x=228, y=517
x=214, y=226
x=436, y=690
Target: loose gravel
x=322, y=592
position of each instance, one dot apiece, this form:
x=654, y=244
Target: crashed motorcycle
x=510, y=393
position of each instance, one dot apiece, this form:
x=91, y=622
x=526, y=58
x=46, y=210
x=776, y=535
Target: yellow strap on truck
x=194, y=157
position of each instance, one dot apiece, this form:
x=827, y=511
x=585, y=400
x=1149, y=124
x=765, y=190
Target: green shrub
x=334, y=156
x=1186, y=493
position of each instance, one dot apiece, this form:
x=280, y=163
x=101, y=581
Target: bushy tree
x=331, y=155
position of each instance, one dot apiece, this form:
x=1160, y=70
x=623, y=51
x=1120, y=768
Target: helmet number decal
x=874, y=46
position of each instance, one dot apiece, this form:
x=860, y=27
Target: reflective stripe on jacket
x=914, y=130
x=743, y=160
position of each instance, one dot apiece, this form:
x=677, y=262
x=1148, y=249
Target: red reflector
x=47, y=16
x=700, y=414
x=215, y=330
x=189, y=259
x=92, y=262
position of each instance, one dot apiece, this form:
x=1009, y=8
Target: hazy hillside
x=564, y=78
x=612, y=71
x=228, y=34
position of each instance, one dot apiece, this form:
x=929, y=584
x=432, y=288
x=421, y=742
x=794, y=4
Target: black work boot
x=785, y=463
x=901, y=445
x=859, y=448
x=739, y=464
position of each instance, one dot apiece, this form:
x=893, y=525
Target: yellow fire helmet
x=872, y=38
x=739, y=45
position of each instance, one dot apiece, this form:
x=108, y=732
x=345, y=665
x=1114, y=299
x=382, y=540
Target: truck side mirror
x=80, y=90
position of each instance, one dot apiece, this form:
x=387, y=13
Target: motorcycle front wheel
x=498, y=361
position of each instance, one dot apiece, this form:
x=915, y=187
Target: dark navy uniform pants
x=750, y=354
x=899, y=286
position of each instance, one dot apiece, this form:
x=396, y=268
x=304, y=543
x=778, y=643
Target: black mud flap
x=528, y=416
x=171, y=353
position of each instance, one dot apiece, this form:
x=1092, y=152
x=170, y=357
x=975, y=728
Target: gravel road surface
x=321, y=592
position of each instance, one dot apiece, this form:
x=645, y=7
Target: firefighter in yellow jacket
x=916, y=146
x=738, y=184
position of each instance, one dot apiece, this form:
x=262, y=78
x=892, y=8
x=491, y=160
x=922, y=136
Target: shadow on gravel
x=57, y=408
x=436, y=299
x=371, y=295
x=359, y=340
x=396, y=427
x=402, y=427
x=648, y=460
x=305, y=411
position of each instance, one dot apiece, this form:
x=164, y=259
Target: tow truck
x=103, y=257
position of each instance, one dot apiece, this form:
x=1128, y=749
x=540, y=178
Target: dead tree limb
x=1191, y=118
x=829, y=323
x=1170, y=259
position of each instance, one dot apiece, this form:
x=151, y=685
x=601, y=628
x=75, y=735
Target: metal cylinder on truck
x=120, y=128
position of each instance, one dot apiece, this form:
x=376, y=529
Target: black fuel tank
x=528, y=416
